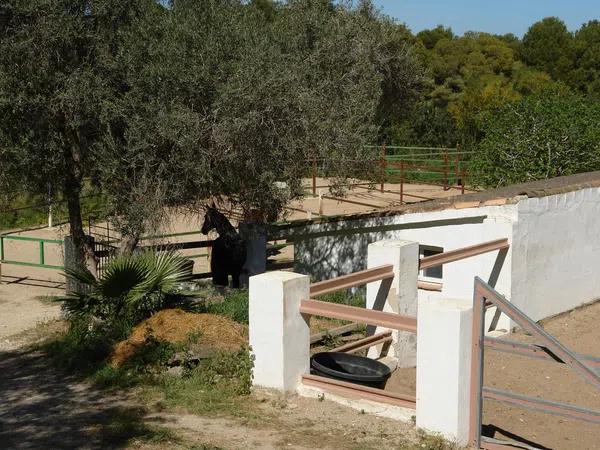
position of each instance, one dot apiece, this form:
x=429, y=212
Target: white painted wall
x=329, y=250
x=550, y=267
x=398, y=295
x=279, y=334
x=556, y=253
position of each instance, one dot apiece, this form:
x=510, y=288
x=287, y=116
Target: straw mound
x=174, y=326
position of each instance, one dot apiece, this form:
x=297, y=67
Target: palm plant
x=132, y=287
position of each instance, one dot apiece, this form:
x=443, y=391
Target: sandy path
x=24, y=305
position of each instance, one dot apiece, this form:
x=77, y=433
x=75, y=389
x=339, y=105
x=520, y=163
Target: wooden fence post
x=401, y=182
x=457, y=168
x=445, y=169
x=314, y=176
x=382, y=168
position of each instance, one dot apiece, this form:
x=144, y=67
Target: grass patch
x=357, y=299
x=24, y=210
x=234, y=306
x=219, y=385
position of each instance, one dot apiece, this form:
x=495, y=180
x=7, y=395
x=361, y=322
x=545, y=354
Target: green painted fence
x=41, y=245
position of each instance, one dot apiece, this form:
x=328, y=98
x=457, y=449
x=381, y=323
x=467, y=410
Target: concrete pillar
x=255, y=236
x=444, y=366
x=279, y=334
x=401, y=297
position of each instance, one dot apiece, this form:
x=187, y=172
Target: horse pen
x=376, y=209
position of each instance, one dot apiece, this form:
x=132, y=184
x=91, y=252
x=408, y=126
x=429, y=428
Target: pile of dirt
x=175, y=326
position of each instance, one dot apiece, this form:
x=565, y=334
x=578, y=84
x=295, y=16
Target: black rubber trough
x=351, y=368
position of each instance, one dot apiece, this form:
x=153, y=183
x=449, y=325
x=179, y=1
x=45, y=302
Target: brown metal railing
x=462, y=253
x=352, y=280
x=355, y=314
x=312, y=307
x=548, y=348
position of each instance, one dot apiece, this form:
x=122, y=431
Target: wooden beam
x=314, y=338
x=367, y=342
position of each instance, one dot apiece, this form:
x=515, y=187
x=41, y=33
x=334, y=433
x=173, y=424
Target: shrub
x=538, y=137
x=131, y=288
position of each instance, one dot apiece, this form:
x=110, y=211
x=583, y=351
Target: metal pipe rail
x=463, y=253
x=364, y=343
x=534, y=351
x=352, y=280
x=549, y=349
x=42, y=253
x=355, y=314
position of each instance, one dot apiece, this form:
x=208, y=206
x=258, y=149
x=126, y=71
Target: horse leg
x=217, y=262
x=235, y=277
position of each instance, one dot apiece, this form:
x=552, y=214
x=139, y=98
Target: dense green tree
x=430, y=38
x=548, y=46
x=223, y=101
x=586, y=74
x=538, y=137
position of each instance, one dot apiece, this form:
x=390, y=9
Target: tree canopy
x=164, y=104
x=540, y=136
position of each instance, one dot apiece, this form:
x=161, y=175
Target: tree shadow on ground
x=41, y=408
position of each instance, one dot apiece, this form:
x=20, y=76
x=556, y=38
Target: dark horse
x=228, y=250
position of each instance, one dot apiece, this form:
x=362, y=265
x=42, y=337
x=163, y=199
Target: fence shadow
x=36, y=282
x=492, y=431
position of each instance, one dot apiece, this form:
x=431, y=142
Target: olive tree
x=309, y=83
x=56, y=71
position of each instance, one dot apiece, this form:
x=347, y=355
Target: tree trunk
x=129, y=243
x=84, y=250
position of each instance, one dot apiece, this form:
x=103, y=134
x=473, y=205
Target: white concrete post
x=443, y=366
x=279, y=334
x=402, y=295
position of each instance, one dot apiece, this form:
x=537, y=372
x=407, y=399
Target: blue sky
x=493, y=16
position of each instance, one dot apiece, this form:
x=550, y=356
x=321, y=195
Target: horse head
x=209, y=220
x=214, y=219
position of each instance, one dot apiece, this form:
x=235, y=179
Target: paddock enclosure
x=417, y=243
x=450, y=389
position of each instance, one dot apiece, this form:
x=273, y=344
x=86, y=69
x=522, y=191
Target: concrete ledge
x=375, y=408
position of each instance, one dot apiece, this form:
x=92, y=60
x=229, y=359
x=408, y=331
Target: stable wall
x=549, y=268
x=331, y=249
x=556, y=253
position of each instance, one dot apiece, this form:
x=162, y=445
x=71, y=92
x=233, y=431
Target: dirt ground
x=23, y=305
x=38, y=405
x=579, y=331
x=41, y=408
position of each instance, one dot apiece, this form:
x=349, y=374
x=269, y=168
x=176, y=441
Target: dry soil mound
x=175, y=325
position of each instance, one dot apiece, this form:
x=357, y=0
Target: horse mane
x=220, y=222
